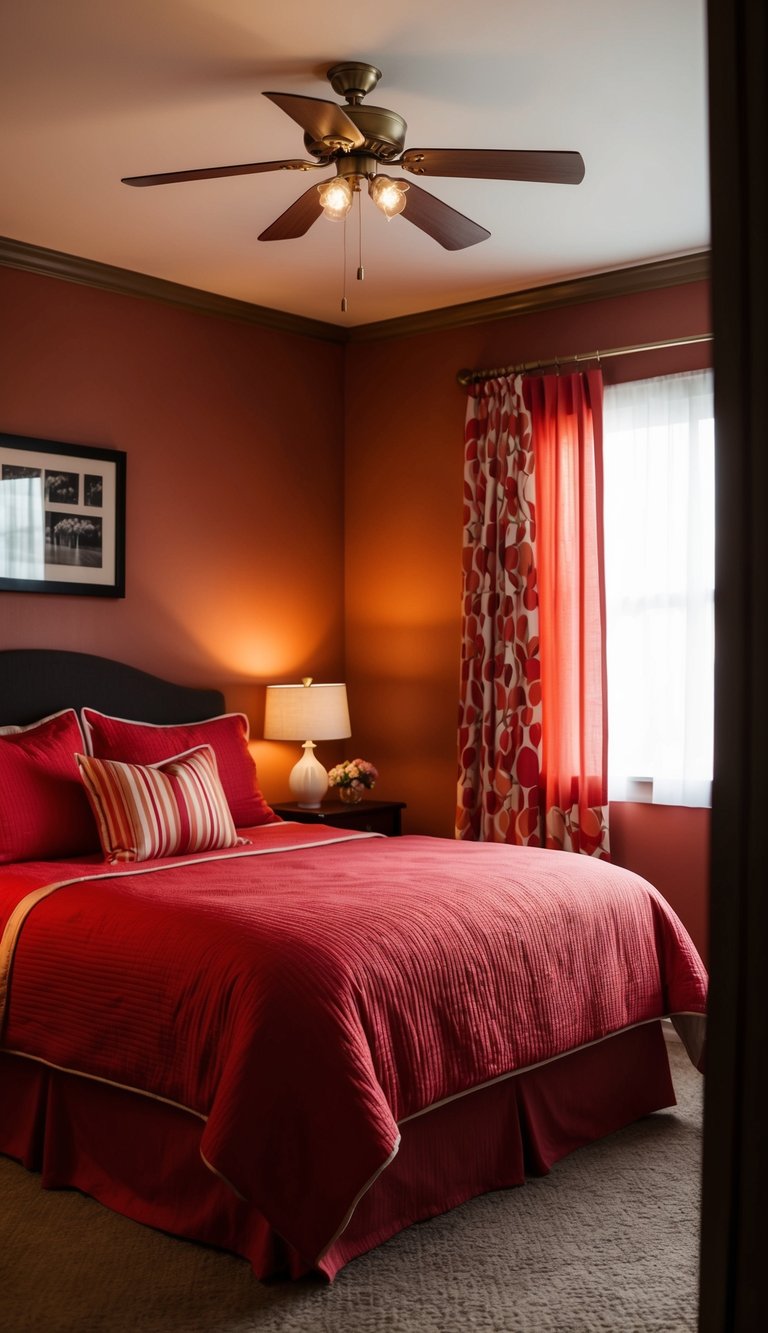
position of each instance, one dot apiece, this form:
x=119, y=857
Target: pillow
x=11, y=729
x=44, y=812
x=143, y=743
x=160, y=809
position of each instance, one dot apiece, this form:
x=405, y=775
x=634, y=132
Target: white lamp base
x=308, y=779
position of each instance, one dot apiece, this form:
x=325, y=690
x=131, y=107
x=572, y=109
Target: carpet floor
x=607, y=1243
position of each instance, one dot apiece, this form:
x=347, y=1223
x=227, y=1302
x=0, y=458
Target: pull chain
x=344, y=274
x=360, y=269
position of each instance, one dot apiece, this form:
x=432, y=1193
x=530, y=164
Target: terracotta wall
x=668, y=845
x=405, y=418
x=236, y=515
x=234, y=493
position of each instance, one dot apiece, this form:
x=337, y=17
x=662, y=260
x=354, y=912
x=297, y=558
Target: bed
x=291, y=1041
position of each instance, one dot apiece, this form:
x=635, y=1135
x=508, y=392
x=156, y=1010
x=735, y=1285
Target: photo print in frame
x=62, y=518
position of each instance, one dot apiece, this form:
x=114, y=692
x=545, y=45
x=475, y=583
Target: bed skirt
x=141, y=1157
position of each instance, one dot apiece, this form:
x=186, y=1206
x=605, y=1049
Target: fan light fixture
x=335, y=197
x=388, y=195
x=296, y=712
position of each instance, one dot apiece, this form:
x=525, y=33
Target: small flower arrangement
x=354, y=773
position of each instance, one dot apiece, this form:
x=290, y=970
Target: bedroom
x=228, y=588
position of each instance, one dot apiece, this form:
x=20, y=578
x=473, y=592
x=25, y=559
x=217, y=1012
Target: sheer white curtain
x=22, y=528
x=659, y=571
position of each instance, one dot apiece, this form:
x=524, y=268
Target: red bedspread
x=303, y=1003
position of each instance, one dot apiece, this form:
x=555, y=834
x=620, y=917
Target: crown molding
x=574, y=291
x=125, y=282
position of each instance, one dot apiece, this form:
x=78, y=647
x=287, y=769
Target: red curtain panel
x=532, y=716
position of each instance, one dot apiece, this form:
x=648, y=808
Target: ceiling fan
x=357, y=140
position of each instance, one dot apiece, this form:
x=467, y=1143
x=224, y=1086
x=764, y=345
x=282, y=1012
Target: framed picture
x=62, y=518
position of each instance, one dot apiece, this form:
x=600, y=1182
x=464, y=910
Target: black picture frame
x=62, y=526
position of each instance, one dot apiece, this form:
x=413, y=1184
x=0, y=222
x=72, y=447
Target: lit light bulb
x=335, y=197
x=388, y=195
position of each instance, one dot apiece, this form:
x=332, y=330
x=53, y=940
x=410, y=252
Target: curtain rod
x=477, y=376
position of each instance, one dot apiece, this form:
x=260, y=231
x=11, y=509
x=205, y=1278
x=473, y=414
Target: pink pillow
x=162, y=809
x=44, y=812
x=143, y=743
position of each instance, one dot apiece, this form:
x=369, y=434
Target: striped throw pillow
x=163, y=809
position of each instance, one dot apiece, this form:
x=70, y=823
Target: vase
x=351, y=795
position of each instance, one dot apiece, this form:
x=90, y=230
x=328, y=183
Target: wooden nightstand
x=366, y=816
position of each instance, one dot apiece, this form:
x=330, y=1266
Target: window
x=22, y=524
x=659, y=573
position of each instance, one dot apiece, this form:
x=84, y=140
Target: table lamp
x=297, y=712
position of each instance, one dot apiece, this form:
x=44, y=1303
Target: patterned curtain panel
x=532, y=731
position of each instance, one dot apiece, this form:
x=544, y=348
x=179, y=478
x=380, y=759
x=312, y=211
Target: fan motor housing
x=384, y=132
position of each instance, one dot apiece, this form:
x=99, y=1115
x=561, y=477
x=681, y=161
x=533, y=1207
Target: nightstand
x=366, y=816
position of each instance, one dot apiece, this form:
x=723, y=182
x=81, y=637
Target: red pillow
x=144, y=743
x=44, y=812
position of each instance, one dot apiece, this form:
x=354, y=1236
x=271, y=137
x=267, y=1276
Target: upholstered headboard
x=37, y=681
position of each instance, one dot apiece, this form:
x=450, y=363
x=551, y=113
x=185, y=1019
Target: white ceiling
x=92, y=90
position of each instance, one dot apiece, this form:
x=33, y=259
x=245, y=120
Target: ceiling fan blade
x=500, y=164
x=210, y=173
x=320, y=120
x=450, y=229
x=297, y=219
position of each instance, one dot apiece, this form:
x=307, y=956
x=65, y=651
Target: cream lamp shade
x=307, y=713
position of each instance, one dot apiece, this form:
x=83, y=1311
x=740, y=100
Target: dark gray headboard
x=38, y=681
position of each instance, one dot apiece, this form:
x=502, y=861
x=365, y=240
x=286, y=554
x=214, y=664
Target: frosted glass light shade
x=388, y=195
x=335, y=197
x=306, y=712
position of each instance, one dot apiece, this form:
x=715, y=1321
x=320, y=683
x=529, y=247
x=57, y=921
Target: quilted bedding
x=307, y=994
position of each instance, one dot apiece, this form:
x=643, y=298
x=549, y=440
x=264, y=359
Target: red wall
x=234, y=490
x=237, y=524
x=668, y=845
x=404, y=463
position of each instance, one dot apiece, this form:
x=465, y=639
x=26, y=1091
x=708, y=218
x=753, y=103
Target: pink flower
x=358, y=773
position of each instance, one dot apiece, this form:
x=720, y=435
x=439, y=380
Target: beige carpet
x=607, y=1243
